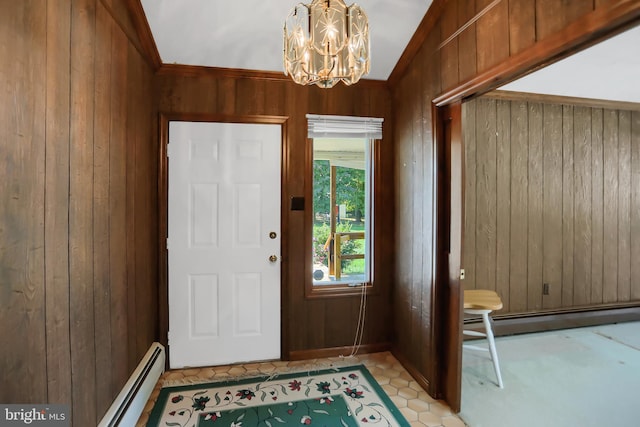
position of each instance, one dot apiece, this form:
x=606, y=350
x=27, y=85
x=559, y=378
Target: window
x=342, y=200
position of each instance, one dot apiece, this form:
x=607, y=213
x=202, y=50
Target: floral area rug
x=346, y=396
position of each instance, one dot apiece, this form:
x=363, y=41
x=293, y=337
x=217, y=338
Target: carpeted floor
x=585, y=377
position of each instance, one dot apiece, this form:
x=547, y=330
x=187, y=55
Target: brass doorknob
x=273, y=258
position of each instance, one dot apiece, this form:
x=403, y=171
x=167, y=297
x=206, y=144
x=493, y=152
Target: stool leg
x=492, y=347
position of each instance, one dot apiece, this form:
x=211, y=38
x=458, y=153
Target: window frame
x=342, y=289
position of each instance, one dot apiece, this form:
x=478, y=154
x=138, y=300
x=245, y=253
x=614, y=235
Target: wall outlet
x=545, y=289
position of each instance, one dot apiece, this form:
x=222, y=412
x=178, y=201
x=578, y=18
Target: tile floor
x=416, y=405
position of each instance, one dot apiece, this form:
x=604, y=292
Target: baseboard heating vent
x=129, y=404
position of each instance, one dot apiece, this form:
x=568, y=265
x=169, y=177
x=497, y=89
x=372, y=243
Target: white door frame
x=163, y=205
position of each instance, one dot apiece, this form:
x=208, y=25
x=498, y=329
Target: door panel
x=224, y=200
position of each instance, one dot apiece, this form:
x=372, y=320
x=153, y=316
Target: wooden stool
x=483, y=302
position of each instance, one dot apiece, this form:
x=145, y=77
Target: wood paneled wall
x=78, y=222
x=308, y=323
x=462, y=39
x=552, y=196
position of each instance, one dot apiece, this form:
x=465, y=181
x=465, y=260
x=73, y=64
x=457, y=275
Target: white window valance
x=344, y=127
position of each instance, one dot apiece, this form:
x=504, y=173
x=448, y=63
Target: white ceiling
x=248, y=34
x=609, y=70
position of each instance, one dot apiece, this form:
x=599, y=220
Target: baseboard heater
x=130, y=402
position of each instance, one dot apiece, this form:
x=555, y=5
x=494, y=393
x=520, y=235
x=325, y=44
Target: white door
x=224, y=225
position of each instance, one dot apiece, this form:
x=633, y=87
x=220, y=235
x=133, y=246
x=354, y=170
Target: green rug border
x=161, y=401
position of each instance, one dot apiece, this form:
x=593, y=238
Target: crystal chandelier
x=326, y=42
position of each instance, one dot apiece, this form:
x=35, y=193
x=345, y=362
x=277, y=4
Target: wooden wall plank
x=419, y=182
x=56, y=206
x=466, y=40
x=535, y=209
x=624, y=207
x=316, y=310
x=117, y=211
x=486, y=194
x=492, y=34
x=552, y=205
x=568, y=208
x=294, y=166
x=151, y=222
x=253, y=91
x=430, y=84
x=131, y=205
x=201, y=92
x=582, y=203
x=275, y=100
x=601, y=3
x=226, y=96
x=469, y=244
x=503, y=200
x=522, y=27
x=548, y=17
x=101, y=278
x=337, y=335
x=22, y=173
x=597, y=206
x=81, y=212
x=146, y=266
x=574, y=9
x=404, y=215
x=449, y=52
x=635, y=206
x=553, y=15
x=519, y=210
x=136, y=193
x=610, y=227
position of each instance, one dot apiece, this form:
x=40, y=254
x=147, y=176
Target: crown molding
x=219, y=72
x=200, y=71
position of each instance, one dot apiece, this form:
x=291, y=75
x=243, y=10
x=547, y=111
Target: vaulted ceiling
x=247, y=35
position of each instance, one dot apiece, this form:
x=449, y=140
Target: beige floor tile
x=423, y=395
x=400, y=402
x=452, y=421
x=441, y=409
x=409, y=414
x=418, y=405
x=408, y=393
x=390, y=390
x=430, y=419
x=399, y=382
